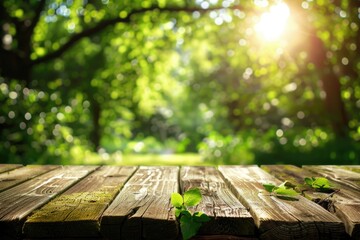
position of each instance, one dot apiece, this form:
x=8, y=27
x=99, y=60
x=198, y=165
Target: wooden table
x=128, y=202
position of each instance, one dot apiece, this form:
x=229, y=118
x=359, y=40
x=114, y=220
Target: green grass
x=143, y=159
x=164, y=159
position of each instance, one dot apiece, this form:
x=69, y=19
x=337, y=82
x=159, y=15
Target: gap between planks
x=228, y=215
x=142, y=209
x=151, y=203
x=8, y=167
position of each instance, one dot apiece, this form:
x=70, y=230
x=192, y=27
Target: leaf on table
x=178, y=212
x=309, y=181
x=176, y=200
x=286, y=191
x=189, y=227
x=192, y=197
x=269, y=187
x=321, y=182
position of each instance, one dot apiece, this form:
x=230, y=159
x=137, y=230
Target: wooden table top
x=133, y=202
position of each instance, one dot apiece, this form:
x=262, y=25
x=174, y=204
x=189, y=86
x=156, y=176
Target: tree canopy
x=237, y=81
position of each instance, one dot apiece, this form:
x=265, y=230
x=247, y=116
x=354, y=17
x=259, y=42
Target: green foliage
x=192, y=197
x=41, y=127
x=319, y=184
x=321, y=147
x=217, y=148
x=165, y=81
x=177, y=200
x=269, y=187
x=189, y=223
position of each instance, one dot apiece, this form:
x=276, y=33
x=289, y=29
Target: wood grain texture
x=19, y=175
x=228, y=215
x=77, y=212
x=345, y=204
x=296, y=176
x=142, y=209
x=18, y=202
x=8, y=167
x=354, y=168
x=73, y=199
x=341, y=176
x=277, y=218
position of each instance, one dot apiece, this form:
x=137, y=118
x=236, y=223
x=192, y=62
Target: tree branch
x=77, y=37
x=108, y=22
x=36, y=18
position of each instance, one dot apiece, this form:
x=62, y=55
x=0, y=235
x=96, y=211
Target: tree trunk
x=14, y=67
x=329, y=80
x=334, y=104
x=95, y=134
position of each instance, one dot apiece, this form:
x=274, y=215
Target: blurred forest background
x=186, y=81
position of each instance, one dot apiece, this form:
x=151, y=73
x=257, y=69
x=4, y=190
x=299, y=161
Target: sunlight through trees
x=235, y=81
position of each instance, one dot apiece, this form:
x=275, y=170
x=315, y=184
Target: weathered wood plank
x=18, y=202
x=77, y=212
x=277, y=218
x=354, y=168
x=296, y=176
x=142, y=208
x=19, y=175
x=341, y=176
x=8, y=167
x=229, y=216
x=344, y=203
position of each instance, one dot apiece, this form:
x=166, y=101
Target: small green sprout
x=320, y=184
x=189, y=223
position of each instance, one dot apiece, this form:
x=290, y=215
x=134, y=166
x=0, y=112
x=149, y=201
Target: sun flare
x=273, y=23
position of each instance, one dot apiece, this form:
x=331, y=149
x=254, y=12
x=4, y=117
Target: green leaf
x=181, y=211
x=321, y=183
x=178, y=211
x=286, y=191
x=176, y=200
x=269, y=187
x=186, y=214
x=200, y=217
x=309, y=181
x=192, y=197
x=188, y=226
